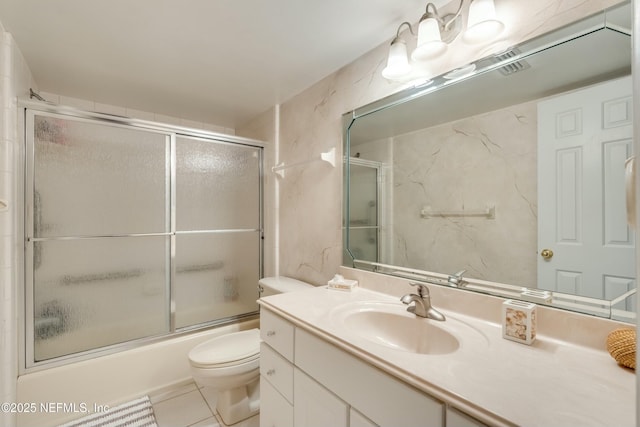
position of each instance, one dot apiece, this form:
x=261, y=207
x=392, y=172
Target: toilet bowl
x=230, y=364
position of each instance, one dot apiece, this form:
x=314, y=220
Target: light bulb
x=430, y=44
x=483, y=23
x=398, y=62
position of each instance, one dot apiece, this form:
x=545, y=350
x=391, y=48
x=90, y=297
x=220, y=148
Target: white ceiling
x=216, y=61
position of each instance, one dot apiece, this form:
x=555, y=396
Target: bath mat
x=136, y=413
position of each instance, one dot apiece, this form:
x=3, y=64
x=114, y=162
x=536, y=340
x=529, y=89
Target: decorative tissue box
x=519, y=321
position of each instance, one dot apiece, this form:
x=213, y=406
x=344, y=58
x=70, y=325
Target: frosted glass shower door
x=98, y=238
x=364, y=219
x=218, y=230
x=92, y=293
x=92, y=179
x=134, y=231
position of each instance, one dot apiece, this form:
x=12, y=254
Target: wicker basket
x=621, y=344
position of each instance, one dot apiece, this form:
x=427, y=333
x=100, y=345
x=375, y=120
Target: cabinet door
x=315, y=406
x=356, y=419
x=456, y=418
x=384, y=399
x=275, y=411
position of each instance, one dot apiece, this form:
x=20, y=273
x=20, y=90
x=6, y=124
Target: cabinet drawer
x=277, y=370
x=277, y=332
x=275, y=411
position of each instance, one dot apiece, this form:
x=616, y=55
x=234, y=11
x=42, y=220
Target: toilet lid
x=232, y=347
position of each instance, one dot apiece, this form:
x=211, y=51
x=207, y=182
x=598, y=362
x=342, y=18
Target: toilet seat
x=225, y=364
x=232, y=372
x=227, y=350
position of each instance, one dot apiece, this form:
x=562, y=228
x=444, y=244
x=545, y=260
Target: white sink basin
x=390, y=325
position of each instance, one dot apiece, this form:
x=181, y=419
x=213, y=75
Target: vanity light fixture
x=436, y=32
x=483, y=23
x=431, y=30
x=397, y=63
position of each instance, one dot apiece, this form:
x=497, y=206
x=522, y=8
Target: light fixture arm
x=455, y=16
x=400, y=28
x=435, y=15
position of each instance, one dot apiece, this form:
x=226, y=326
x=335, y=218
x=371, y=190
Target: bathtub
x=111, y=379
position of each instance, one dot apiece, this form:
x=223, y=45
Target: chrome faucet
x=456, y=280
x=422, y=302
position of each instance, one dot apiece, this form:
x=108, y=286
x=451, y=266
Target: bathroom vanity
x=360, y=359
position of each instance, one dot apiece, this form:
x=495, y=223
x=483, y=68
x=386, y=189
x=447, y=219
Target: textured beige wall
x=309, y=199
x=470, y=164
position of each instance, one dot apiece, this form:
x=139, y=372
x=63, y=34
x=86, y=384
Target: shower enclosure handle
x=37, y=228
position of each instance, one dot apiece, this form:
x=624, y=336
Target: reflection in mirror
x=515, y=174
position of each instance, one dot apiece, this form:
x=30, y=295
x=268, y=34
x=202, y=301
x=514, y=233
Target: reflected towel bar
x=489, y=213
x=623, y=297
x=329, y=157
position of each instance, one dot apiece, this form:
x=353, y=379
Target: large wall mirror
x=506, y=176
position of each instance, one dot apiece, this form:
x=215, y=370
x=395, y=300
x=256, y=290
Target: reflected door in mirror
x=585, y=136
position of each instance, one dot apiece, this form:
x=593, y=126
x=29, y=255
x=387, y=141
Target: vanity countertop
x=500, y=382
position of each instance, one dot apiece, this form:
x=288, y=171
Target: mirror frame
x=586, y=305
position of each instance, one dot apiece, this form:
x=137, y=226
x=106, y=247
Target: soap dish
x=341, y=284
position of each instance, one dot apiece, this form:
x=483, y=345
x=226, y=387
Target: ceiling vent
x=513, y=67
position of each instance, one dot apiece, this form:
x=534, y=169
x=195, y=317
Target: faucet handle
x=456, y=279
x=423, y=291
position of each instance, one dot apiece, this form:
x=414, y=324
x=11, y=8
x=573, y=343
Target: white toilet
x=230, y=364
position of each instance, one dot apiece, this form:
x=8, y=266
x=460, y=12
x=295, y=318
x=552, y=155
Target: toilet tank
x=280, y=284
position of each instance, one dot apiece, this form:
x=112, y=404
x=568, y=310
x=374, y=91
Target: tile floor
x=190, y=406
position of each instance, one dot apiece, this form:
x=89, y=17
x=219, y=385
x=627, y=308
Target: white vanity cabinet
x=378, y=396
x=306, y=381
x=315, y=406
x=318, y=368
x=356, y=419
x=456, y=418
x=276, y=371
